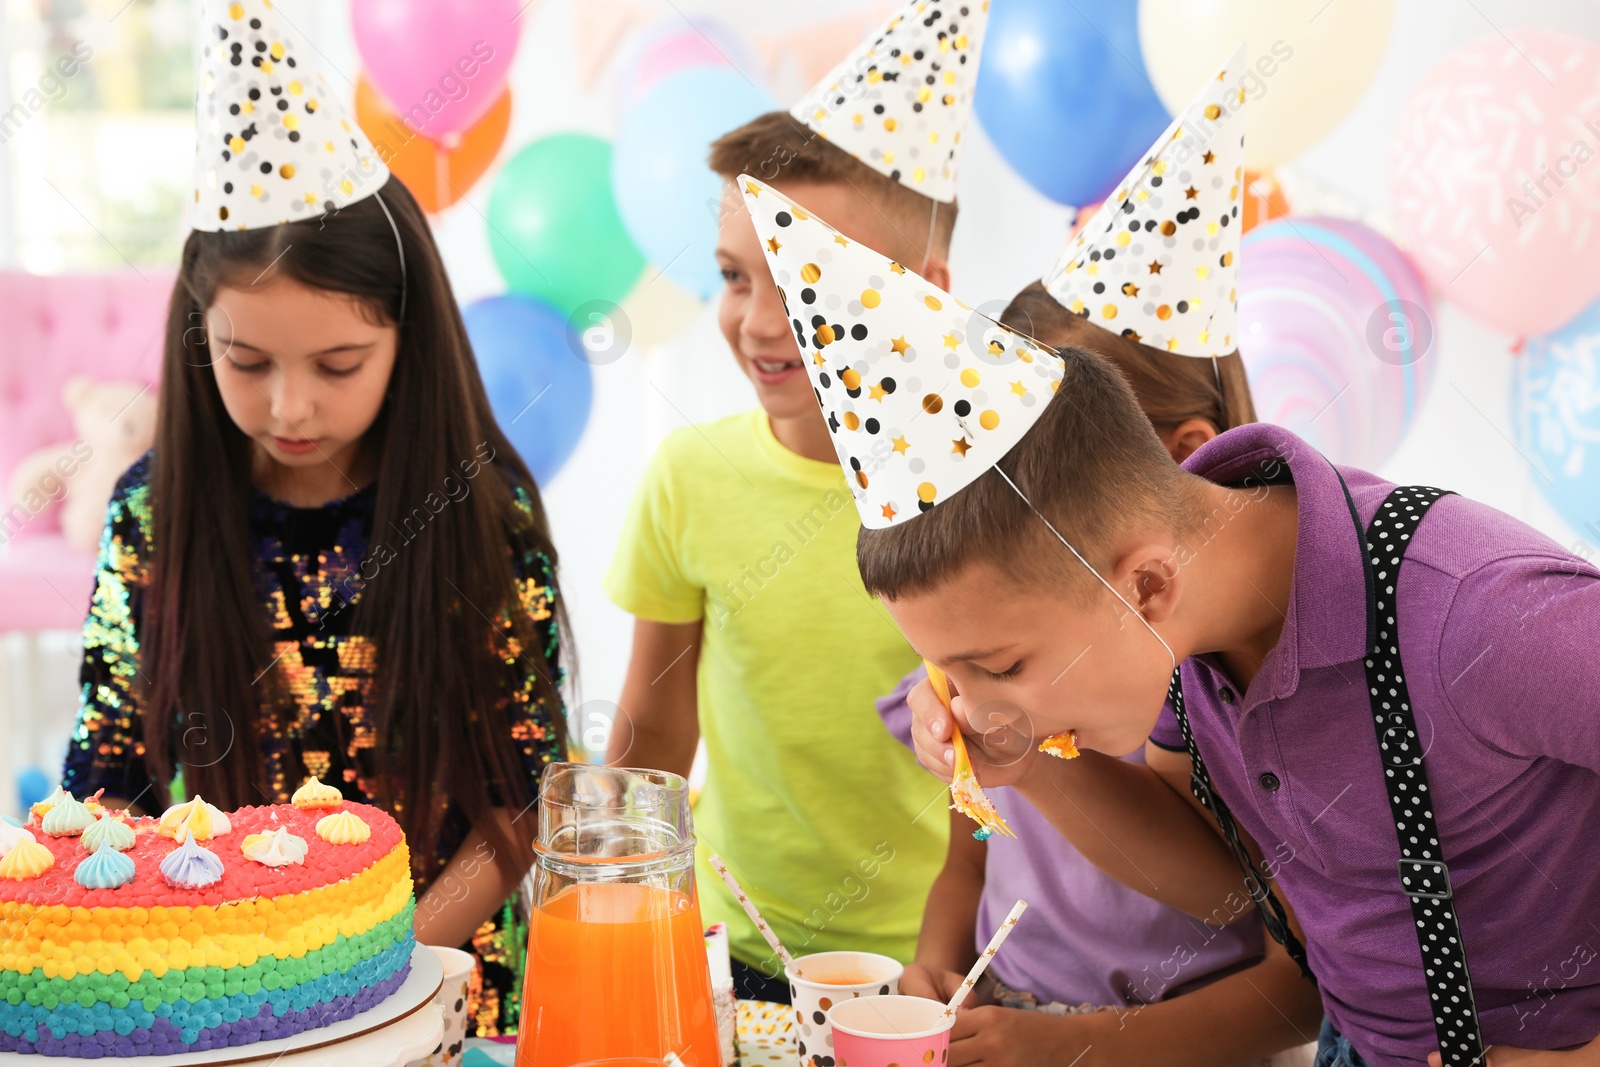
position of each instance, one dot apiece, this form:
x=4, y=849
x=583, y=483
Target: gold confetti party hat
x=922, y=393
x=273, y=144
x=1159, y=261
x=899, y=101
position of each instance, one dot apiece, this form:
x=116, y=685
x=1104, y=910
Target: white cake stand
x=406, y=1026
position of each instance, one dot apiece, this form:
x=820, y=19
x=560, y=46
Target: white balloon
x=1311, y=60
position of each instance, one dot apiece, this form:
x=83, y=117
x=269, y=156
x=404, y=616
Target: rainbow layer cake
x=198, y=930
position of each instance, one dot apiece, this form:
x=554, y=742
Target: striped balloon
x=1337, y=333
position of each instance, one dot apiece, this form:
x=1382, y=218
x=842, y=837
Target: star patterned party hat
x=1159, y=261
x=273, y=143
x=922, y=393
x=899, y=101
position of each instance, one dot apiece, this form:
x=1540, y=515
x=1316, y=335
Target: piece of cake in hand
x=198, y=930
x=966, y=794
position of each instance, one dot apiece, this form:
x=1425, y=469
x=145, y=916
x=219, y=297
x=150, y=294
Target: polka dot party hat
x=922, y=393
x=273, y=143
x=1159, y=261
x=898, y=102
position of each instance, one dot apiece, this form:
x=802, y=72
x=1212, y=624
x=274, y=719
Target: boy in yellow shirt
x=753, y=629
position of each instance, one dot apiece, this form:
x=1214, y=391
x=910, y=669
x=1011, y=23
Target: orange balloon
x=1263, y=199
x=437, y=174
x=1081, y=219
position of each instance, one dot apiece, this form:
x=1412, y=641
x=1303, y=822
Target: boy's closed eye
x=1002, y=675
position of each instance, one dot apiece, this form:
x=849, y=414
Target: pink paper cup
x=890, y=1031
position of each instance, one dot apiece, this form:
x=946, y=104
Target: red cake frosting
x=242, y=878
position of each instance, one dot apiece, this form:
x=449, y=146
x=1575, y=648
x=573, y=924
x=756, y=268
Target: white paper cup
x=819, y=981
x=452, y=1000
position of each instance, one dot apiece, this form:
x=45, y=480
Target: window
x=96, y=132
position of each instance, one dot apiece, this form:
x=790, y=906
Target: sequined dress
x=307, y=575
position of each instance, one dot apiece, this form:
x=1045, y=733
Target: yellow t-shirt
x=829, y=823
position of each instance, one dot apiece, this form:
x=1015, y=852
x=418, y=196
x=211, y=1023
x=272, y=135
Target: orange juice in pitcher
x=616, y=963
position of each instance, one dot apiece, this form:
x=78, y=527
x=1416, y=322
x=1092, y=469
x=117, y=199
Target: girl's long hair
x=442, y=678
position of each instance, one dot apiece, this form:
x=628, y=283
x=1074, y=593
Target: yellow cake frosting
x=314, y=794
x=28, y=859
x=202, y=821
x=343, y=828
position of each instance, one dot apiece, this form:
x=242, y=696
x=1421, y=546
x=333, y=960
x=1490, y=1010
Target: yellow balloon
x=657, y=309
x=1310, y=62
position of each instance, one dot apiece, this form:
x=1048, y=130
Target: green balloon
x=553, y=224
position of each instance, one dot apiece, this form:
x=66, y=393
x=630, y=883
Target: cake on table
x=199, y=929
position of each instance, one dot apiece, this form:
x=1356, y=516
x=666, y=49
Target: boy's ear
x=1183, y=440
x=1149, y=569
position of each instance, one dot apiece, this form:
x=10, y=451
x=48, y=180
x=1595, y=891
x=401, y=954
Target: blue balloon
x=33, y=785
x=536, y=374
x=668, y=198
x=1064, y=97
x=1555, y=409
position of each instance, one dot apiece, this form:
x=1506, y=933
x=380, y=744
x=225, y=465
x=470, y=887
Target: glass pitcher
x=616, y=964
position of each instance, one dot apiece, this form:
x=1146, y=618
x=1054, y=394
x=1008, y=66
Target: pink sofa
x=108, y=326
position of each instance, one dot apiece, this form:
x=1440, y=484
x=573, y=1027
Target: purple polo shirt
x=1499, y=631
x=1086, y=939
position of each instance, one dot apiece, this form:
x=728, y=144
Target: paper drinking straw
x=985, y=956
x=750, y=909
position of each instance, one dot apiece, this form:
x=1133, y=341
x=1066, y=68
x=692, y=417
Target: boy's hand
x=1007, y=1037
x=936, y=983
x=1001, y=750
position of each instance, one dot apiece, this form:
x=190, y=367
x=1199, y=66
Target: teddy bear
x=115, y=424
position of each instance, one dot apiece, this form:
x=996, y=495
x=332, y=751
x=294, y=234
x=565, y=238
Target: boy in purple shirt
x=1266, y=605
x=1406, y=745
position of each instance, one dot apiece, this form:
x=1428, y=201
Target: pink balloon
x=440, y=63
x=1495, y=178
x=666, y=49
x=676, y=53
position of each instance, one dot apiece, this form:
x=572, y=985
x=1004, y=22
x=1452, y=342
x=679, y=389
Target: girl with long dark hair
x=332, y=563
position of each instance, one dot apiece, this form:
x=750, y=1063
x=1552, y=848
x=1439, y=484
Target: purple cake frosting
x=165, y=1038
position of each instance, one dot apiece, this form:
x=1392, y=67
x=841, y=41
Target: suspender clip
x=1425, y=878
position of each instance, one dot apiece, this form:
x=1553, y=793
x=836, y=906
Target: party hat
x=273, y=144
x=922, y=393
x=1159, y=261
x=898, y=102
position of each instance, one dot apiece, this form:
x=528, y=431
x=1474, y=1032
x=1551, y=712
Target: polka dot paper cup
x=452, y=999
x=822, y=980
x=891, y=1032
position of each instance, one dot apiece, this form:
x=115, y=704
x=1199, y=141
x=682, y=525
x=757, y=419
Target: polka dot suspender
x=1423, y=876
x=1256, y=881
